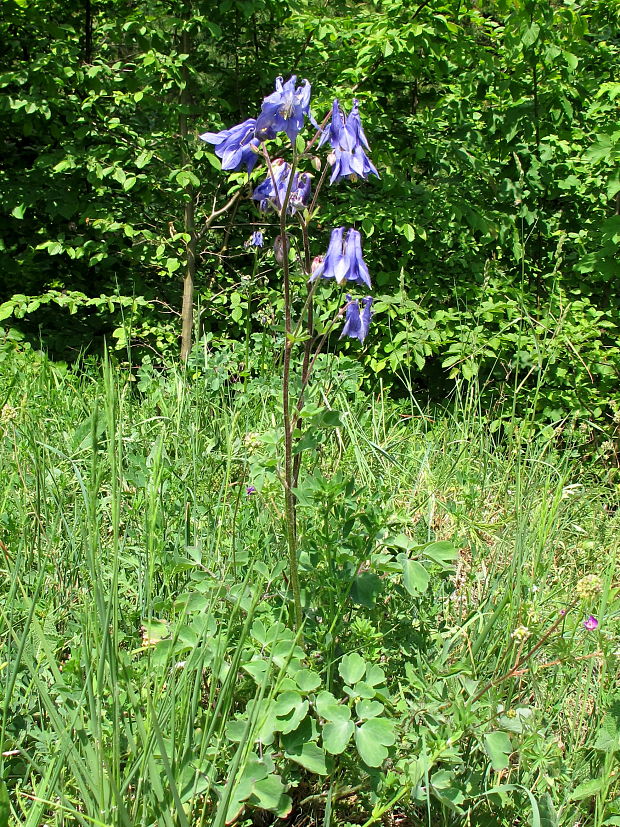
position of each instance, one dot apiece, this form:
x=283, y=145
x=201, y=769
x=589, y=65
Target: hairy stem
x=307, y=344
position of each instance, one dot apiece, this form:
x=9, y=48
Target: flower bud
x=281, y=248
x=316, y=268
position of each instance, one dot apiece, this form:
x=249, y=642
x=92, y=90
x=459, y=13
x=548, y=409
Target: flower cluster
x=520, y=634
x=282, y=111
x=589, y=587
x=285, y=188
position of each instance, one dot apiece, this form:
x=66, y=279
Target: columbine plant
x=287, y=191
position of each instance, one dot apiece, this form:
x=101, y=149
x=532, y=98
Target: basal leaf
x=310, y=756
x=352, y=668
x=336, y=735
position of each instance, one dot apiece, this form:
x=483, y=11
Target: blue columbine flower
x=332, y=265
x=255, y=240
x=366, y=317
x=284, y=110
x=300, y=192
x=354, y=126
x=269, y=195
x=236, y=147
x=347, y=139
x=357, y=323
x=343, y=260
x=335, y=132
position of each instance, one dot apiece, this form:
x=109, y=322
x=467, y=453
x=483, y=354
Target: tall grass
x=135, y=567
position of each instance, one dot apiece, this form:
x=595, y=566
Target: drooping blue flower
x=300, y=192
x=354, y=126
x=347, y=140
x=352, y=165
x=269, y=194
x=236, y=147
x=332, y=265
x=255, y=240
x=365, y=317
x=284, y=110
x=335, y=132
x=343, y=260
x=357, y=323
x=352, y=324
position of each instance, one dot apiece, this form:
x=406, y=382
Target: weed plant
x=445, y=678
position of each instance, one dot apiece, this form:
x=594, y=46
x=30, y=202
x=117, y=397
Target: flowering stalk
x=287, y=191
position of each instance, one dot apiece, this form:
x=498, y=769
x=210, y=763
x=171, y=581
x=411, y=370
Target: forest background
x=492, y=236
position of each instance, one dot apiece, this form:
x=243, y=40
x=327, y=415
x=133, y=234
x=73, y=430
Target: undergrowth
x=444, y=675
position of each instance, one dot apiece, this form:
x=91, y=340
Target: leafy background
x=492, y=235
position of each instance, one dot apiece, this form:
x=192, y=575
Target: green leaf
x=530, y=36
x=587, y=789
x=352, y=668
x=608, y=735
x=336, y=736
x=442, y=552
x=366, y=586
x=498, y=748
x=548, y=815
x=368, y=709
x=143, y=159
x=307, y=680
x=286, y=702
x=375, y=676
x=408, y=232
x=310, y=756
x=269, y=794
x=571, y=60
x=415, y=577
x=328, y=707
x=18, y=211
x=399, y=541
x=372, y=738
x=613, y=186
x=360, y=690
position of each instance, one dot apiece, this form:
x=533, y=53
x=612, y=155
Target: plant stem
x=189, y=225
x=248, y=321
x=289, y=500
x=308, y=343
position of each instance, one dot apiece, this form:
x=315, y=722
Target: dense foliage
x=492, y=234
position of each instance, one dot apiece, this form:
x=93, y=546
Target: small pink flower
x=590, y=623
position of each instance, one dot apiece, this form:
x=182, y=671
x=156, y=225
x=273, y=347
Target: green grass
x=149, y=675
